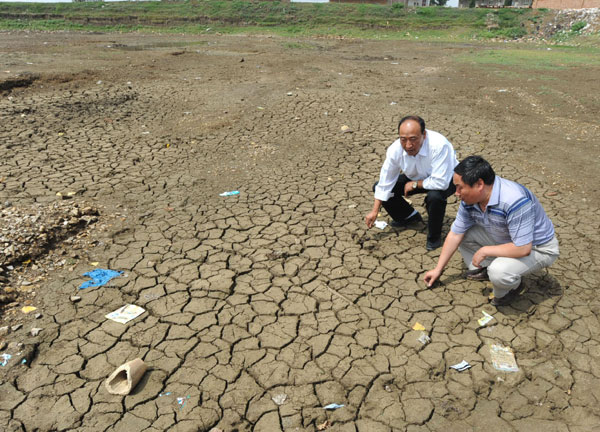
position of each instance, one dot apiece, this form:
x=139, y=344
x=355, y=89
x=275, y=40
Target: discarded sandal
x=125, y=377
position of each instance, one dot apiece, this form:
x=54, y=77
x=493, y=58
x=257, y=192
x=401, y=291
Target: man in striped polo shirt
x=501, y=231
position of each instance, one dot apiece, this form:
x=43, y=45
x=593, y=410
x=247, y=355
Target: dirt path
x=282, y=290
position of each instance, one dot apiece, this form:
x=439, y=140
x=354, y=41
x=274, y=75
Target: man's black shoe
x=416, y=218
x=479, y=274
x=433, y=245
x=505, y=300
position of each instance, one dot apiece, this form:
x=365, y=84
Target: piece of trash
x=181, y=401
x=424, y=338
x=462, y=366
x=126, y=313
x=260, y=108
x=418, y=327
x=380, y=224
x=23, y=361
x=279, y=399
x=552, y=193
x=502, y=91
x=35, y=331
x=290, y=94
x=395, y=63
x=164, y=394
x=4, y=358
x=99, y=82
x=95, y=263
x=125, y=377
x=366, y=94
x=333, y=406
x=28, y=309
x=230, y=193
x=168, y=145
x=503, y=358
x=75, y=299
x=486, y=318
x=393, y=103
x=346, y=129
x=323, y=426
x=99, y=277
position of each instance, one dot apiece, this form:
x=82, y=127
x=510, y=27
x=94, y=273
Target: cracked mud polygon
x=281, y=290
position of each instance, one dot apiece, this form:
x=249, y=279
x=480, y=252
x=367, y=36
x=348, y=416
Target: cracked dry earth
x=282, y=290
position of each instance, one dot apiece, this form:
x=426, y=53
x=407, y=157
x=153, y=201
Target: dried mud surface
x=282, y=289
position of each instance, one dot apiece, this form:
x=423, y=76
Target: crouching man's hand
x=371, y=218
x=431, y=276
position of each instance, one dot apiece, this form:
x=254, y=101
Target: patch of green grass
x=299, y=45
x=578, y=26
x=350, y=20
x=555, y=58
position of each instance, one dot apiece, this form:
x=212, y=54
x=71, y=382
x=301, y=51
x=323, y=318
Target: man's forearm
x=508, y=250
x=377, y=205
x=450, y=245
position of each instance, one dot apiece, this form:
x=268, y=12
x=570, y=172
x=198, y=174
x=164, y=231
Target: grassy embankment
x=349, y=20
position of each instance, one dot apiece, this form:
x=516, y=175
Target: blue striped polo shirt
x=513, y=214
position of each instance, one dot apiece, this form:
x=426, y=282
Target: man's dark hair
x=473, y=168
x=413, y=118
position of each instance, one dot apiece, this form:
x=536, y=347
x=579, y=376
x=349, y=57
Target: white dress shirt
x=434, y=164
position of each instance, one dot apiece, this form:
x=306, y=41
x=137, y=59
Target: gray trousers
x=505, y=273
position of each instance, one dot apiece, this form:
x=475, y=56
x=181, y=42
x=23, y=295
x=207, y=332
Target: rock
x=4, y=331
x=75, y=298
x=38, y=315
x=16, y=327
x=15, y=346
x=35, y=331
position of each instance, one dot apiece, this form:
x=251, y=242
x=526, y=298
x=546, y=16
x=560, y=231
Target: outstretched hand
x=431, y=276
x=370, y=218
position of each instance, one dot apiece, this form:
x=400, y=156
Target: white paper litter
x=503, y=359
x=462, y=366
x=126, y=313
x=381, y=224
x=486, y=318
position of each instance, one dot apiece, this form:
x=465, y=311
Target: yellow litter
x=418, y=327
x=27, y=309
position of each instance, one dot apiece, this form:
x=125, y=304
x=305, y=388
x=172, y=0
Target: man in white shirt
x=426, y=160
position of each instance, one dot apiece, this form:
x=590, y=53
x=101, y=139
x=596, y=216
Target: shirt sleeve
x=442, y=170
x=520, y=218
x=463, y=220
x=390, y=171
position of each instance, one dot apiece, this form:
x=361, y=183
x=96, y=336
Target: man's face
x=411, y=137
x=469, y=194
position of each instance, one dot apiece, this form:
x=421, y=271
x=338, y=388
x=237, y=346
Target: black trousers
x=435, y=203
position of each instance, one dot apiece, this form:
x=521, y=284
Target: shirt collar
x=495, y=195
x=424, y=151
